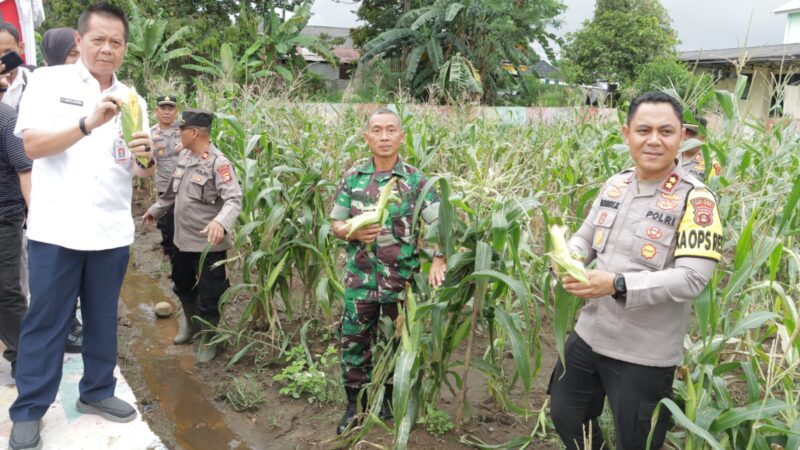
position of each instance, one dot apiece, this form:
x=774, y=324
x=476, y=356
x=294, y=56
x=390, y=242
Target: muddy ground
x=183, y=404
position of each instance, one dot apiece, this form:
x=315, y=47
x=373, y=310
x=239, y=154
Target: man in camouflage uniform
x=166, y=146
x=656, y=236
x=382, y=258
x=692, y=160
x=207, y=202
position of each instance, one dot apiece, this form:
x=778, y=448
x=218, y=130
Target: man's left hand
x=600, y=283
x=215, y=232
x=141, y=145
x=436, y=274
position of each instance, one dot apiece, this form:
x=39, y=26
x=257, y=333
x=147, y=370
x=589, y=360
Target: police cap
x=169, y=100
x=197, y=118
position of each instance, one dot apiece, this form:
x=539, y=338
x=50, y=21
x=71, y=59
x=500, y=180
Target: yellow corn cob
x=560, y=254
x=377, y=216
x=131, y=118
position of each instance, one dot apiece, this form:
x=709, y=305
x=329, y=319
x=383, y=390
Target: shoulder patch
x=224, y=171
x=700, y=229
x=671, y=183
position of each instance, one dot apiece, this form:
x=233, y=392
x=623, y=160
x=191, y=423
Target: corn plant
x=501, y=186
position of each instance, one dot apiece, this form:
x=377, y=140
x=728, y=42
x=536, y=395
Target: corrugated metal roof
x=789, y=7
x=763, y=54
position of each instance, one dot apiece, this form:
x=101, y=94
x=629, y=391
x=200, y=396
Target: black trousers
x=633, y=391
x=166, y=224
x=205, y=291
x=12, y=302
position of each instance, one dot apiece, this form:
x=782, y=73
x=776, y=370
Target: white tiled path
x=64, y=428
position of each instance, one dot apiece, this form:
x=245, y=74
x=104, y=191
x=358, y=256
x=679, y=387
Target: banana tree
x=151, y=49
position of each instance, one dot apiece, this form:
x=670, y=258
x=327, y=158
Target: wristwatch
x=619, y=287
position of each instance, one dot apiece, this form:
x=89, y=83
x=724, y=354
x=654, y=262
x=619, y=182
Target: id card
x=121, y=153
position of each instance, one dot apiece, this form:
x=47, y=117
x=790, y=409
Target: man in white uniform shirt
x=80, y=225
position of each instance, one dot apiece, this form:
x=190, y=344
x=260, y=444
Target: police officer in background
x=207, y=201
x=656, y=235
x=692, y=160
x=166, y=145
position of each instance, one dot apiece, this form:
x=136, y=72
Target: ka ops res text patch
x=700, y=230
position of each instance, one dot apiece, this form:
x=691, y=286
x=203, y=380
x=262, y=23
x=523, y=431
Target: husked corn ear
x=131, y=118
x=378, y=216
x=560, y=254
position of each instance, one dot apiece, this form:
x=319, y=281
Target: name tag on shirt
x=121, y=152
x=71, y=101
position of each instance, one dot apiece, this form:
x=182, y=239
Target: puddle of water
x=169, y=371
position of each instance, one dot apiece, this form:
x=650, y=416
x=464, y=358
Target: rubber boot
x=386, y=406
x=351, y=412
x=187, y=331
x=206, y=352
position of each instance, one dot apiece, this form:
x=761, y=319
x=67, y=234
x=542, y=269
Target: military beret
x=196, y=118
x=167, y=100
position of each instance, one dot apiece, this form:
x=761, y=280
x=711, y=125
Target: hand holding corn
x=560, y=258
x=105, y=110
x=373, y=220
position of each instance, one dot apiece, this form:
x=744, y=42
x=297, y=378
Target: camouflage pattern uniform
x=377, y=273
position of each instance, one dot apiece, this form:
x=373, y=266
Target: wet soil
x=181, y=401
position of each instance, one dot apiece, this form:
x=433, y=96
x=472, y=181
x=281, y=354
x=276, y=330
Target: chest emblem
x=648, y=251
x=602, y=218
x=598, y=237
x=614, y=192
x=666, y=205
x=654, y=233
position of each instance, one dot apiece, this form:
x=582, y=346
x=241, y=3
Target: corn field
x=501, y=187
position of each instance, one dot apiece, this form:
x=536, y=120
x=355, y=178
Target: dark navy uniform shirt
x=12, y=162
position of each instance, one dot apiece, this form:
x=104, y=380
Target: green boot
x=206, y=351
x=186, y=332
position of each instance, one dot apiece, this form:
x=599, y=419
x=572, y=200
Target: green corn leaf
x=755, y=411
x=683, y=421
x=519, y=349
x=751, y=321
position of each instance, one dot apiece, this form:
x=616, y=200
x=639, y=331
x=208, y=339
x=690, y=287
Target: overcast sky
x=701, y=24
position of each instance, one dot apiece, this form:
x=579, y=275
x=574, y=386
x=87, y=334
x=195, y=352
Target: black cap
x=197, y=118
x=167, y=100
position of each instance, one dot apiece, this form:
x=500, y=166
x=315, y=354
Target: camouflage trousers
x=359, y=333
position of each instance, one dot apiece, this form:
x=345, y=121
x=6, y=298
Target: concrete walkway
x=64, y=428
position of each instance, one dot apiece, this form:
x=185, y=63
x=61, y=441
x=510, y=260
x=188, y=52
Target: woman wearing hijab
x=58, y=47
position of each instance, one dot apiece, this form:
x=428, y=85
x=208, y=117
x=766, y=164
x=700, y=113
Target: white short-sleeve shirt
x=81, y=198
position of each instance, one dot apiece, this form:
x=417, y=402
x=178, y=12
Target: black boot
x=386, y=406
x=75, y=336
x=351, y=413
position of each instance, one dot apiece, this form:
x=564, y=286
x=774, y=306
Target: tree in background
x=621, y=38
x=378, y=16
x=667, y=74
x=485, y=33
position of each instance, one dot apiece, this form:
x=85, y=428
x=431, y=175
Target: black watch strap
x=82, y=126
x=620, y=289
